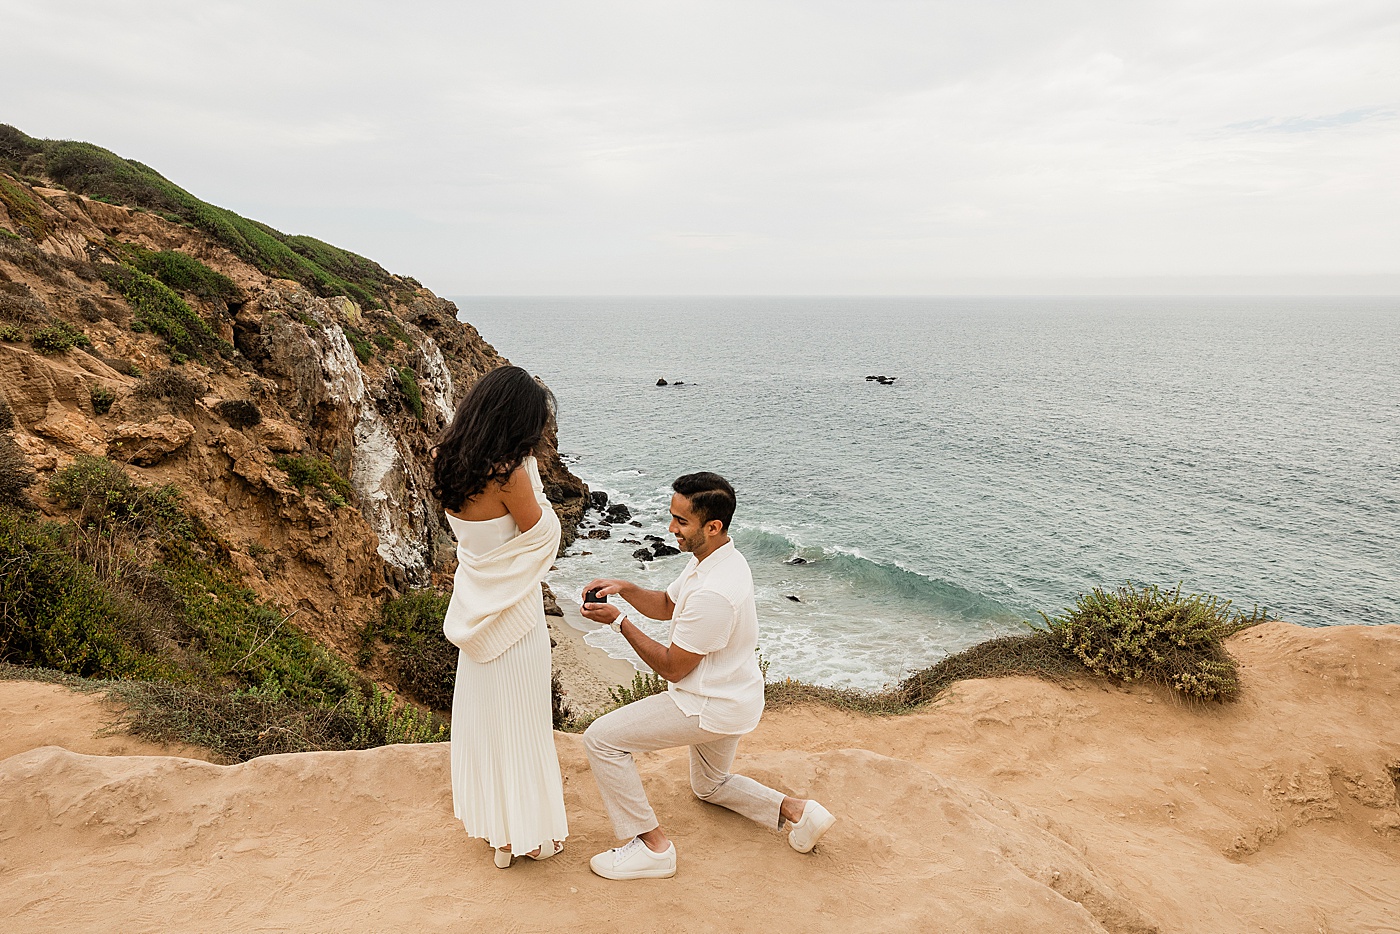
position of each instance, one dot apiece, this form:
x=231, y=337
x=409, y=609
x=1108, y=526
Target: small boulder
x=796, y=559
x=618, y=512
x=629, y=541
x=661, y=382
x=600, y=533
x=149, y=442
x=598, y=500
x=643, y=554
x=664, y=551
x=653, y=538
x=793, y=597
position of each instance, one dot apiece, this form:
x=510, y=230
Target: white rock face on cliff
x=439, y=378
x=394, y=508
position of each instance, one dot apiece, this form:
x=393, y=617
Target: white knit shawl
x=495, y=595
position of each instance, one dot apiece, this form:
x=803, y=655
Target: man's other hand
x=601, y=613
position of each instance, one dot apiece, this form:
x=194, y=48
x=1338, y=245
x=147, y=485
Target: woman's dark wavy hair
x=497, y=426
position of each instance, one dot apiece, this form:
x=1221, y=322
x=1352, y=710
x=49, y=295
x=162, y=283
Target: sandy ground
x=585, y=672
x=1010, y=805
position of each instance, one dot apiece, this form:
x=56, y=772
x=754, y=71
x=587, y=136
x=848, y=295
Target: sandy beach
x=1009, y=805
x=585, y=672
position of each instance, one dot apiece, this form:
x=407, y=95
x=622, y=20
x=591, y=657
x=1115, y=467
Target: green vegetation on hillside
x=181, y=273
x=103, y=175
x=158, y=309
x=131, y=588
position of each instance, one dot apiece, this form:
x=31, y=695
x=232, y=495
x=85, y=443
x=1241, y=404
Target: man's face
x=688, y=527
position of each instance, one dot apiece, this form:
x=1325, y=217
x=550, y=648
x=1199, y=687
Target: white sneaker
x=816, y=820
x=635, y=860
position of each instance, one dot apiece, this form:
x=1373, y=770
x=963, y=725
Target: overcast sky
x=759, y=147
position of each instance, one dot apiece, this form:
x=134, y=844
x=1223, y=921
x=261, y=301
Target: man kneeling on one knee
x=715, y=694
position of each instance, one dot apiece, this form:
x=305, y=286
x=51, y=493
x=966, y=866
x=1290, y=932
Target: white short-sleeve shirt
x=715, y=617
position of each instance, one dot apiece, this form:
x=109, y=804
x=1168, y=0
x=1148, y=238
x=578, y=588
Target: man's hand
x=602, y=612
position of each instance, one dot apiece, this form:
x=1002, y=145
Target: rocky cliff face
x=299, y=430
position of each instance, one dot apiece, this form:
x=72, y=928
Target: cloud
x=754, y=147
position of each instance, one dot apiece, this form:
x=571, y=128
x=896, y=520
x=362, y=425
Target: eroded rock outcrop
x=337, y=386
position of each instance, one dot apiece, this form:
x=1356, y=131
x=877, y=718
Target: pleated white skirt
x=506, y=787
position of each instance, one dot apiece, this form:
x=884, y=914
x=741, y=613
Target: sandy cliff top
x=1010, y=805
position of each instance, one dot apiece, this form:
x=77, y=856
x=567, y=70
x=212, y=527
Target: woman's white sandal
x=558, y=848
x=502, y=858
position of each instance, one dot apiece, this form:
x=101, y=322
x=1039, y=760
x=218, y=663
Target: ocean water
x=1029, y=450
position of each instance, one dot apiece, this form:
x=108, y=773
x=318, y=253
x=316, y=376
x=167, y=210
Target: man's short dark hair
x=710, y=496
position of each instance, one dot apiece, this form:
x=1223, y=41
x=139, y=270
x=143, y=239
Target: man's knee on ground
x=704, y=787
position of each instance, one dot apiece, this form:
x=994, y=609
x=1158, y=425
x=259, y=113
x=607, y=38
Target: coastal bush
x=423, y=663
x=240, y=413
x=363, y=351
x=22, y=209
x=184, y=273
x=171, y=386
x=58, y=337
x=15, y=475
x=108, y=502
x=102, y=399
x=1037, y=653
x=412, y=394
x=317, y=473
x=55, y=612
x=243, y=725
x=11, y=334
x=644, y=684
x=1135, y=633
x=157, y=308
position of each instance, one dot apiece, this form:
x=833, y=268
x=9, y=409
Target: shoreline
x=586, y=672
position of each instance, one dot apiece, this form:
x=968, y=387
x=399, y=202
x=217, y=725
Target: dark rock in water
x=870, y=379
x=661, y=382
x=636, y=523
x=653, y=538
x=643, y=554
x=600, y=533
x=664, y=551
x=598, y=500
x=796, y=559
x=793, y=597
x=618, y=512
x=679, y=382
x=629, y=541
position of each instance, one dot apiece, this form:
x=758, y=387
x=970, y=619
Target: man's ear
x=714, y=527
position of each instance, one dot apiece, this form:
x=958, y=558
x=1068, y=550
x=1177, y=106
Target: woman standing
x=506, y=786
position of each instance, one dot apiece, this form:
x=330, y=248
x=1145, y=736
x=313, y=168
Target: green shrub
x=412, y=394
x=384, y=342
x=106, y=499
x=1037, y=653
x=184, y=273
x=240, y=413
x=57, y=614
x=11, y=334
x=363, y=351
x=644, y=684
x=102, y=399
x=1128, y=634
x=157, y=308
x=422, y=661
x=239, y=726
x=22, y=209
x=317, y=473
x=15, y=475
x=58, y=337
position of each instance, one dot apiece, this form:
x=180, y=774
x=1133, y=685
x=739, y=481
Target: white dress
x=506, y=786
